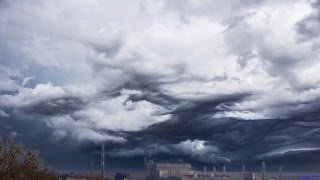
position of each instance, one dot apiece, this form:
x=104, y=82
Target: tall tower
x=243, y=168
x=214, y=169
x=280, y=173
x=263, y=171
x=146, y=172
x=204, y=168
x=102, y=162
x=224, y=169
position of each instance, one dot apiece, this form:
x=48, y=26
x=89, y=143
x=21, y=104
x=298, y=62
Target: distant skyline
x=204, y=82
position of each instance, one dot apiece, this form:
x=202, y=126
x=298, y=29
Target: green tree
x=17, y=163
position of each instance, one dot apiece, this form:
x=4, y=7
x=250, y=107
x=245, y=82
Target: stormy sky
x=198, y=81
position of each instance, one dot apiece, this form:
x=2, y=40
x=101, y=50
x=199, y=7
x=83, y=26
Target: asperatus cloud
x=187, y=89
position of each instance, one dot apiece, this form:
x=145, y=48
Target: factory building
x=165, y=170
x=180, y=171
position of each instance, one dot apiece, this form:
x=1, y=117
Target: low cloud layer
x=201, y=81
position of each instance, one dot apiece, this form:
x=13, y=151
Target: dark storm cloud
x=55, y=106
x=33, y=133
x=109, y=47
x=155, y=98
x=242, y=141
x=192, y=123
x=309, y=27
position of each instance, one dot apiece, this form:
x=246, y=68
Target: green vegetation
x=17, y=163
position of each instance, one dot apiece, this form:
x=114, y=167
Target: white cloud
x=120, y=114
x=283, y=151
x=27, y=96
x=201, y=151
x=4, y=114
x=246, y=115
x=64, y=126
x=115, y=114
x=195, y=147
x=26, y=80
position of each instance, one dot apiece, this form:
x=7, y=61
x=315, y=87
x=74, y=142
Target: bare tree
x=17, y=163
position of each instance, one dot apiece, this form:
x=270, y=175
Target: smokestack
x=280, y=173
x=102, y=162
x=263, y=171
x=204, y=168
x=243, y=168
x=214, y=169
x=224, y=169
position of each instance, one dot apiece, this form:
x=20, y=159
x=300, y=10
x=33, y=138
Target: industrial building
x=248, y=176
x=122, y=176
x=71, y=177
x=179, y=171
x=165, y=170
x=78, y=177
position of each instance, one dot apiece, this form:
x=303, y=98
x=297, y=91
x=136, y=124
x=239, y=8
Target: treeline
x=17, y=163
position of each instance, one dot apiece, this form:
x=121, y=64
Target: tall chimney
x=263, y=171
x=214, y=169
x=102, y=162
x=204, y=168
x=224, y=169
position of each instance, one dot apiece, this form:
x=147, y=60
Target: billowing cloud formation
x=182, y=77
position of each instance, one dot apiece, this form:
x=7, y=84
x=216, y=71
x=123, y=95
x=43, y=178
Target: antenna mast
x=102, y=162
